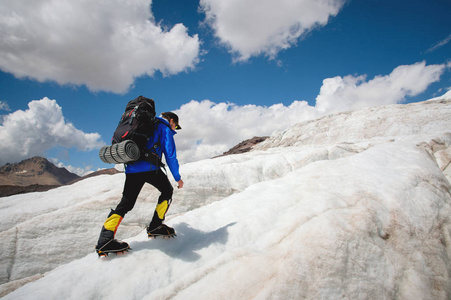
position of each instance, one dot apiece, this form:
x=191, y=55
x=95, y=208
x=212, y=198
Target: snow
x=354, y=205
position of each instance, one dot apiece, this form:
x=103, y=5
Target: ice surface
x=354, y=205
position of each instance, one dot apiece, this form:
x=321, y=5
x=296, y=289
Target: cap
x=170, y=115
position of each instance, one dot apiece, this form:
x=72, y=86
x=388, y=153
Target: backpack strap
x=150, y=155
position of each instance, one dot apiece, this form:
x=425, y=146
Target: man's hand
x=180, y=184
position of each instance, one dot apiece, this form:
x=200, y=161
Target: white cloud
x=39, y=128
x=212, y=128
x=250, y=28
x=353, y=92
x=4, y=106
x=102, y=44
x=76, y=170
x=440, y=44
x=209, y=128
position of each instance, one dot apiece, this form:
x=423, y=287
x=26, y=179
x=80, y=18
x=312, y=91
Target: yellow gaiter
x=162, y=208
x=112, y=223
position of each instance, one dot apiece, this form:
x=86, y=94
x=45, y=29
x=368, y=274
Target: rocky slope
x=35, y=170
x=37, y=174
x=245, y=146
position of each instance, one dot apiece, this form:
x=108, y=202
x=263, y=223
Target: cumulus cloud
x=249, y=28
x=209, y=128
x=76, y=170
x=104, y=45
x=39, y=128
x=353, y=92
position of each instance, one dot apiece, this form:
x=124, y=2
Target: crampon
x=162, y=231
x=105, y=254
x=112, y=246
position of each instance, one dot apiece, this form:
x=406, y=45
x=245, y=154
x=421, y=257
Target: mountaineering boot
x=112, y=246
x=163, y=231
x=156, y=226
x=106, y=243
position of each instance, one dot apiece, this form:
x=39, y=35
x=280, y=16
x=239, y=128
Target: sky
x=361, y=210
x=231, y=69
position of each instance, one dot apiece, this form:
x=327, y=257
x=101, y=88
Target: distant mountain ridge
x=244, y=146
x=35, y=170
x=37, y=174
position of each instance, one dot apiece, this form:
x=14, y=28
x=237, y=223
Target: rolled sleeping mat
x=123, y=152
x=105, y=154
x=129, y=151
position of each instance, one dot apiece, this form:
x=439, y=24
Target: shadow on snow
x=188, y=241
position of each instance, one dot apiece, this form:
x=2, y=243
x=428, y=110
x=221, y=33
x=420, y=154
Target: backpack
x=137, y=122
x=129, y=140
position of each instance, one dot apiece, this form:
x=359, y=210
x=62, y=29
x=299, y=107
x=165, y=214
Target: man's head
x=173, y=120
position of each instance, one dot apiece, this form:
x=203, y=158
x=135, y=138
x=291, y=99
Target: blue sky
x=231, y=69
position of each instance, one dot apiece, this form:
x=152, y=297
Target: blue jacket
x=165, y=136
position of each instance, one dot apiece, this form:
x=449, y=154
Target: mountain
x=37, y=174
x=244, y=146
x=35, y=170
x=355, y=205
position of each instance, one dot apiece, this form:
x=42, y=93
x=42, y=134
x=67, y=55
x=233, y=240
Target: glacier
x=354, y=205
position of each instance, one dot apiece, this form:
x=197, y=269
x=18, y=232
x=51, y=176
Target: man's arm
x=170, y=154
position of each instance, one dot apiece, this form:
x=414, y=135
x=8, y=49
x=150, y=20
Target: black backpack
x=137, y=122
x=135, y=127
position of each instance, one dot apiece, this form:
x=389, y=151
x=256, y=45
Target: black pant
x=133, y=185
